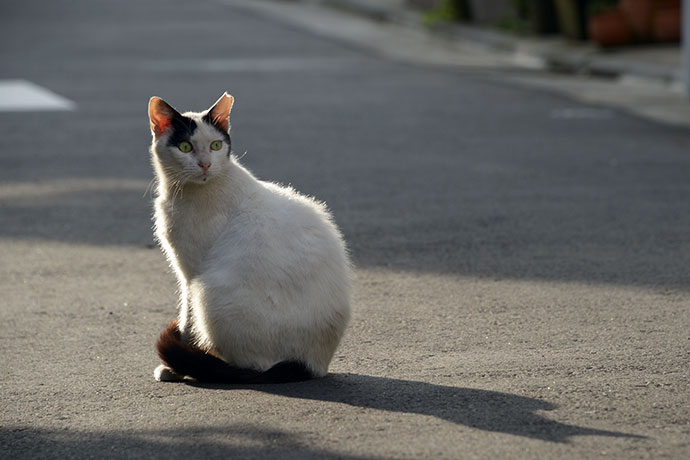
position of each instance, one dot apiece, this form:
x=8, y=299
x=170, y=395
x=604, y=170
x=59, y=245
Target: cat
x=264, y=274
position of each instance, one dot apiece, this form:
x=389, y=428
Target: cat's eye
x=185, y=146
x=216, y=145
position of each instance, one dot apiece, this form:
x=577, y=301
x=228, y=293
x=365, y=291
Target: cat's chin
x=200, y=180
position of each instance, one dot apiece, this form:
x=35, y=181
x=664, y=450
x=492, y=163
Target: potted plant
x=607, y=25
x=638, y=13
x=666, y=24
x=641, y=15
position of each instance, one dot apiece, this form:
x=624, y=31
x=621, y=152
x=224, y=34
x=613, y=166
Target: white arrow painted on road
x=24, y=96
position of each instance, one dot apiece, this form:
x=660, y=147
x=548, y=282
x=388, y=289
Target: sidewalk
x=658, y=64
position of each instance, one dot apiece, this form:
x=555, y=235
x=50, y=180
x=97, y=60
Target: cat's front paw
x=164, y=374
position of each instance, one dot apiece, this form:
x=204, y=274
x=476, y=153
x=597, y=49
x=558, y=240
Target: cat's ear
x=219, y=114
x=161, y=115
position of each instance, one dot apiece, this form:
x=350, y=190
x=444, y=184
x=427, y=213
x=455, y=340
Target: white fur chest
x=187, y=226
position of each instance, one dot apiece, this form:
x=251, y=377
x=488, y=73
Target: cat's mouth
x=199, y=177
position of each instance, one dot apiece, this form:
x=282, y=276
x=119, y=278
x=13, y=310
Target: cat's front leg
x=184, y=319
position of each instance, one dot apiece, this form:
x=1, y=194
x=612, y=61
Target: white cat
x=263, y=271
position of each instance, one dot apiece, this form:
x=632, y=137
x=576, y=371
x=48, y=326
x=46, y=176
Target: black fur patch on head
x=182, y=129
x=225, y=135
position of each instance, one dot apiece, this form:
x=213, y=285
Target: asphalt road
x=522, y=282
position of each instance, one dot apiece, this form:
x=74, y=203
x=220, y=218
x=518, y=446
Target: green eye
x=185, y=147
x=216, y=145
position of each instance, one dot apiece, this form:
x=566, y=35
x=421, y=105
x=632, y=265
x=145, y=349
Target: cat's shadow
x=480, y=409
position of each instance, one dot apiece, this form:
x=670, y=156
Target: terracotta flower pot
x=638, y=14
x=666, y=25
x=609, y=29
x=641, y=14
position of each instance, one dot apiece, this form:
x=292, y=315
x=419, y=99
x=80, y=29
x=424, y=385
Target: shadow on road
x=474, y=408
x=92, y=211
x=480, y=409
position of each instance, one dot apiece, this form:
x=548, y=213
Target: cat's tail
x=191, y=361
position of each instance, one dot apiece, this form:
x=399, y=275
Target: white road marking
x=24, y=96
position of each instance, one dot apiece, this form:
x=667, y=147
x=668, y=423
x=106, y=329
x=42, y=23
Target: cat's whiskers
x=175, y=182
x=177, y=185
x=153, y=183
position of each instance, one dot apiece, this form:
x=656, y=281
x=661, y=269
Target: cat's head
x=192, y=146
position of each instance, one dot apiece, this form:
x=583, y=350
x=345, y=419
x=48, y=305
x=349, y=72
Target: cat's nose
x=204, y=165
